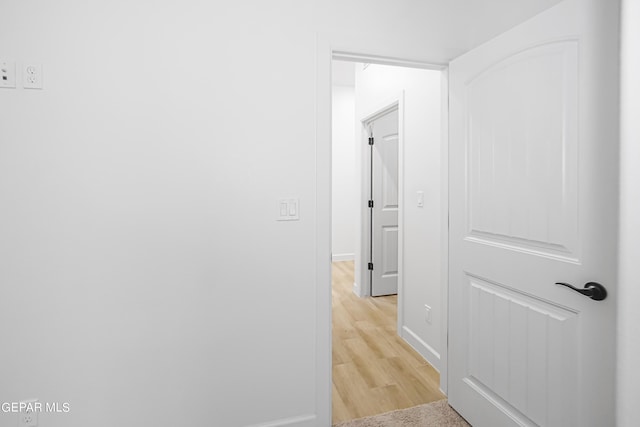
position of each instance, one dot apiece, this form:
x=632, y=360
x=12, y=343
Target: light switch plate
x=288, y=210
x=427, y=316
x=7, y=73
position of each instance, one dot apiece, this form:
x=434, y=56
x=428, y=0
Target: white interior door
x=384, y=276
x=533, y=201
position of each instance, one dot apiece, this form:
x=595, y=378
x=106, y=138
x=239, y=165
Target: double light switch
x=288, y=210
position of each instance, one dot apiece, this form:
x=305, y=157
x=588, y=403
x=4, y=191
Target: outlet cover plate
x=32, y=75
x=28, y=415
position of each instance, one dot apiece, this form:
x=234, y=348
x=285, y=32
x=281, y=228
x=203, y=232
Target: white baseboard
x=343, y=257
x=356, y=289
x=301, y=421
x=425, y=350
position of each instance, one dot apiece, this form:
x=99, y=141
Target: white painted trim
x=425, y=350
x=342, y=257
x=301, y=421
x=380, y=108
x=324, y=55
x=444, y=221
x=628, y=346
x=385, y=60
x=357, y=290
x=362, y=184
x=401, y=210
x=323, y=374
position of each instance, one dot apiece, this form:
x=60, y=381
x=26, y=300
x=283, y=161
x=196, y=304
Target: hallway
x=374, y=370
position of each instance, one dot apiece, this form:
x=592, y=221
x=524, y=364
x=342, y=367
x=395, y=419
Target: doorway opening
x=388, y=134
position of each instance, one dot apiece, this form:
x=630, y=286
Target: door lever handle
x=593, y=290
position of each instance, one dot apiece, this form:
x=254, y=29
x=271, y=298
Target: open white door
x=384, y=219
x=533, y=201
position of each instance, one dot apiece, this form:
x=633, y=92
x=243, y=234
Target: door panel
x=387, y=148
x=384, y=277
x=533, y=185
x=389, y=245
x=522, y=142
x=530, y=343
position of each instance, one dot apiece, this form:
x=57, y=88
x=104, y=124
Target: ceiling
x=454, y=25
x=484, y=19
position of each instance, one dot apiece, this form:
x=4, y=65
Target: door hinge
x=370, y=140
x=370, y=203
x=371, y=266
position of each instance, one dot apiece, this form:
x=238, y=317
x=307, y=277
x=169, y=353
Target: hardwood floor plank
x=374, y=370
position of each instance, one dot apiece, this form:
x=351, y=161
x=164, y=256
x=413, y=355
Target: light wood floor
x=374, y=370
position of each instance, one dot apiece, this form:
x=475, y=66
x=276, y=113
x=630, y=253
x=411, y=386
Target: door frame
x=325, y=54
x=380, y=109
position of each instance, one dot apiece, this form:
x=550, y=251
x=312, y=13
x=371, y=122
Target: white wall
x=628, y=386
x=343, y=152
x=144, y=278
x=421, y=271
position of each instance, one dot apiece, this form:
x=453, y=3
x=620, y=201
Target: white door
x=533, y=201
x=384, y=220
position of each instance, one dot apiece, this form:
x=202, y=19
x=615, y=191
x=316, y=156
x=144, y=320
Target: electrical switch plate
x=7, y=73
x=420, y=199
x=288, y=210
x=32, y=76
x=427, y=317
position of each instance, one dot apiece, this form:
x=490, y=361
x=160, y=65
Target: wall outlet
x=28, y=415
x=7, y=73
x=32, y=76
x=427, y=316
